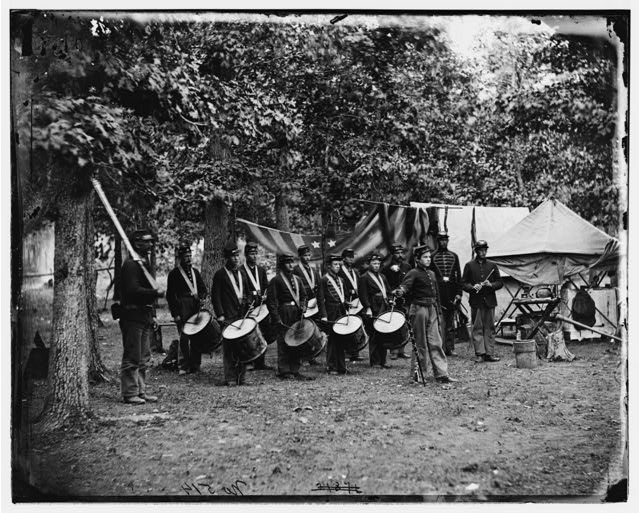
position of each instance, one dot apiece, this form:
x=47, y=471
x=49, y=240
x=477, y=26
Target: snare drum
x=391, y=330
x=247, y=342
x=305, y=339
x=312, y=308
x=203, y=331
x=259, y=313
x=351, y=332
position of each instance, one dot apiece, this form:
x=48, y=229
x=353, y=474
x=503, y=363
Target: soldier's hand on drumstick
x=457, y=300
x=397, y=292
x=477, y=287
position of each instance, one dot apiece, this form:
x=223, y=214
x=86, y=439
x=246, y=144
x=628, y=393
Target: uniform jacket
x=223, y=296
x=446, y=266
x=179, y=298
x=476, y=272
x=421, y=287
x=329, y=303
x=137, y=293
x=278, y=296
x=310, y=292
x=395, y=277
x=350, y=291
x=370, y=294
x=263, y=282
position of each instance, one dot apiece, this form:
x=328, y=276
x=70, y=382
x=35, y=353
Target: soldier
x=351, y=281
x=310, y=279
x=395, y=271
x=286, y=300
x=136, y=321
x=332, y=302
x=374, y=291
x=228, y=297
x=186, y=293
x=256, y=278
x=446, y=266
x=481, y=279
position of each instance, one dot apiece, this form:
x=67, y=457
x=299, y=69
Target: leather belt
x=427, y=301
x=289, y=303
x=136, y=307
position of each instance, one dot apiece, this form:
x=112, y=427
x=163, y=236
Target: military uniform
x=332, y=305
x=395, y=272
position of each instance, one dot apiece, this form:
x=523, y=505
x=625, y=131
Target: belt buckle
x=445, y=279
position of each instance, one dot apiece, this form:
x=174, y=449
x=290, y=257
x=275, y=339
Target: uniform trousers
x=136, y=340
x=484, y=330
x=288, y=363
x=448, y=334
x=234, y=371
x=425, y=324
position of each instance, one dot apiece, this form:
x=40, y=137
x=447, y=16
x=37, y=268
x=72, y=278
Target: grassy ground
x=555, y=430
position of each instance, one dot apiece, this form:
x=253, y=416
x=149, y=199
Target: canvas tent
x=551, y=244
x=490, y=224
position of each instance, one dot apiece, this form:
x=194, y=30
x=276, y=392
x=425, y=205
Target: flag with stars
x=383, y=226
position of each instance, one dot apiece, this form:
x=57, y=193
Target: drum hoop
x=242, y=332
x=189, y=325
x=396, y=322
x=357, y=323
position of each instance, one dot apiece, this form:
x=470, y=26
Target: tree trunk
x=282, y=212
x=98, y=373
x=68, y=385
x=117, y=267
x=217, y=232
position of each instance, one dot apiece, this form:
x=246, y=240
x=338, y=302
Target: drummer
x=256, y=278
x=421, y=285
x=332, y=303
x=286, y=301
x=186, y=293
x=351, y=281
x=374, y=292
x=310, y=279
x=228, y=296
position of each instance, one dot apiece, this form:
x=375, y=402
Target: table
x=539, y=308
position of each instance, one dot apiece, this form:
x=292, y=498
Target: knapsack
x=583, y=308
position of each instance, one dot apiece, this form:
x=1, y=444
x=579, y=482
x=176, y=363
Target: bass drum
x=351, y=333
x=203, y=331
x=246, y=340
x=305, y=339
x=391, y=330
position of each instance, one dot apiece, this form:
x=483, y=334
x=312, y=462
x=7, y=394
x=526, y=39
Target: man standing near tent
x=446, y=266
x=481, y=279
x=185, y=294
x=424, y=313
x=136, y=321
x=395, y=271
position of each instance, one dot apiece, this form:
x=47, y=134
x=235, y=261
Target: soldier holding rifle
x=481, y=279
x=424, y=313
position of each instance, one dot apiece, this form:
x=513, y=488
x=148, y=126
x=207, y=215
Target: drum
x=355, y=306
x=351, y=332
x=247, y=342
x=391, y=330
x=312, y=308
x=203, y=331
x=305, y=339
x=259, y=313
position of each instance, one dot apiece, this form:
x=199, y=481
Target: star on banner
x=316, y=244
x=331, y=243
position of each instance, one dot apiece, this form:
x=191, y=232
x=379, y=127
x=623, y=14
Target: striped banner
x=382, y=227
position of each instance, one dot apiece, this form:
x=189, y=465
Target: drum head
x=259, y=313
x=347, y=325
x=238, y=329
x=196, y=323
x=299, y=333
x=389, y=322
x=355, y=306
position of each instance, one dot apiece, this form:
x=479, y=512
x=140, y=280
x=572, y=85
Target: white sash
x=236, y=287
x=296, y=294
x=339, y=290
x=193, y=287
x=254, y=280
x=352, y=277
x=379, y=283
x=311, y=280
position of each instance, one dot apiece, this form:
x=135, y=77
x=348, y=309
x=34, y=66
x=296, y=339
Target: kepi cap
x=250, y=247
x=480, y=244
x=231, y=250
x=418, y=251
x=334, y=257
x=348, y=252
x=303, y=249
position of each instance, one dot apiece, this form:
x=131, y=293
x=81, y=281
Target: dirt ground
x=501, y=433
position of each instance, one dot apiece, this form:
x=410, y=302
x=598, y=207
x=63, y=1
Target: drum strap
x=190, y=283
x=351, y=275
x=339, y=290
x=379, y=283
x=295, y=295
x=310, y=276
x=255, y=280
x=237, y=287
